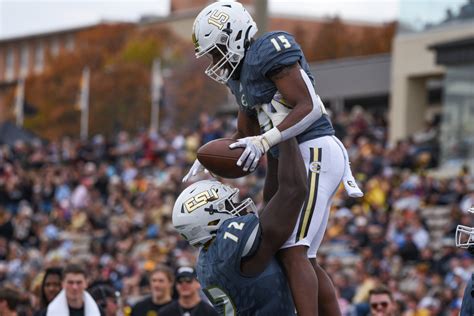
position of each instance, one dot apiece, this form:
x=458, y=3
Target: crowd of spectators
x=108, y=201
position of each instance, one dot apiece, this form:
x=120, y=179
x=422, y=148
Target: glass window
x=39, y=57
x=54, y=46
x=24, y=60
x=457, y=129
x=70, y=42
x=10, y=64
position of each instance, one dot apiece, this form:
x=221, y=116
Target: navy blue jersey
x=218, y=270
x=467, y=306
x=268, y=53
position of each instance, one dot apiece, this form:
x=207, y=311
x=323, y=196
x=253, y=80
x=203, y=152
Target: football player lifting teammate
x=273, y=85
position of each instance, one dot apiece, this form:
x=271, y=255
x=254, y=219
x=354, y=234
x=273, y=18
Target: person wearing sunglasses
x=189, y=302
x=381, y=302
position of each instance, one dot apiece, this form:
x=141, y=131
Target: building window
x=39, y=57
x=70, y=42
x=54, y=46
x=457, y=130
x=24, y=60
x=10, y=64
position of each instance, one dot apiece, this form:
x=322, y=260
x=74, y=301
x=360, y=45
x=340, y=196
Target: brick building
x=23, y=56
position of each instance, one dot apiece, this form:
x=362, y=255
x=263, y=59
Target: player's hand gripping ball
x=220, y=160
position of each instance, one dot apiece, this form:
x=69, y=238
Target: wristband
x=272, y=137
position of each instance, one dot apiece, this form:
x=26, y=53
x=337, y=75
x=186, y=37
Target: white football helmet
x=202, y=207
x=465, y=234
x=223, y=30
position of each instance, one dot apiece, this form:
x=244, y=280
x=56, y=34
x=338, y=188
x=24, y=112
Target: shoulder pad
x=234, y=234
x=274, y=50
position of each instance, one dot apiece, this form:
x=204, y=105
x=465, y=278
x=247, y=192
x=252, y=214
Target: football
x=220, y=160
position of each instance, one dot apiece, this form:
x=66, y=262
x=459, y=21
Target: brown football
x=219, y=159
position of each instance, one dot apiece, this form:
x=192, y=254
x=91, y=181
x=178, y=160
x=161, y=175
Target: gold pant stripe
x=313, y=181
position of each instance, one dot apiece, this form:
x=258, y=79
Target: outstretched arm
x=298, y=92
x=271, y=179
x=279, y=216
x=302, y=108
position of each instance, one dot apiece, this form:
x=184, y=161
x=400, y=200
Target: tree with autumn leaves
x=119, y=57
x=335, y=38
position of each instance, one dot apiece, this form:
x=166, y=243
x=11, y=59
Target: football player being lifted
x=272, y=83
x=237, y=267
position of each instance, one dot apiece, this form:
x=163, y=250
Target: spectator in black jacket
x=189, y=301
x=161, y=285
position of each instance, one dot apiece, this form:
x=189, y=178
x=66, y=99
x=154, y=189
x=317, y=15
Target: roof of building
x=57, y=32
x=353, y=77
x=458, y=51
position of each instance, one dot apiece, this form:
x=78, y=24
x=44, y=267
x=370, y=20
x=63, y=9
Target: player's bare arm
x=280, y=214
x=295, y=90
x=271, y=179
x=246, y=126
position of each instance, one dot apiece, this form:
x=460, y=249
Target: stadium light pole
x=156, y=85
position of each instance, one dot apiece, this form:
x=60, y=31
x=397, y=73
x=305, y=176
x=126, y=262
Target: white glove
x=195, y=169
x=255, y=148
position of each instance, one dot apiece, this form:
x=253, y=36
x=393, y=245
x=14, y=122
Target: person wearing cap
x=161, y=286
x=189, y=302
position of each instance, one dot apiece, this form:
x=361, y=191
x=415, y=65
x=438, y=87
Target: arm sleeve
x=315, y=113
x=278, y=50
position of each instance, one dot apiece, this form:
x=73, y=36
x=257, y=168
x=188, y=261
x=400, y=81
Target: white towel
x=348, y=180
x=58, y=306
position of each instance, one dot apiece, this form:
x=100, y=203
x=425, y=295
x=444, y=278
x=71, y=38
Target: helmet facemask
x=224, y=62
x=465, y=234
x=231, y=206
x=223, y=30
x=203, y=207
x=237, y=208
